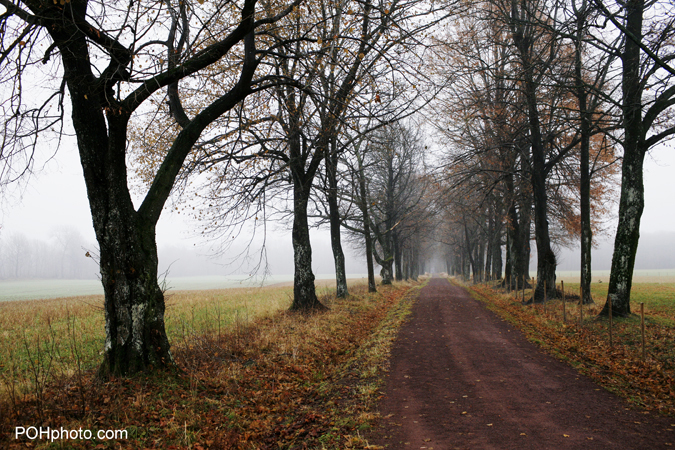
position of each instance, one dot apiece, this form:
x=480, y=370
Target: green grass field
x=11, y=290
x=658, y=298
x=50, y=338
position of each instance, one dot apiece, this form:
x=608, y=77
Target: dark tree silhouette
x=107, y=60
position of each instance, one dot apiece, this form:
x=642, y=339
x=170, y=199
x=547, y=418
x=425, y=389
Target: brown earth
x=462, y=378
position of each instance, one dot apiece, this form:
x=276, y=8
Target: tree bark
x=546, y=260
x=517, y=231
x=134, y=308
x=525, y=250
x=398, y=263
x=134, y=304
x=631, y=203
x=585, y=176
x=363, y=206
x=415, y=270
x=335, y=221
x=470, y=254
x=480, y=259
x=386, y=262
x=372, y=287
x=386, y=272
x=497, y=263
x=490, y=243
x=304, y=290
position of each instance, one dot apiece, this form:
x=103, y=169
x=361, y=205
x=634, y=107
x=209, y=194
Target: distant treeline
x=64, y=256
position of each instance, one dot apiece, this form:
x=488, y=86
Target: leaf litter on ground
x=286, y=380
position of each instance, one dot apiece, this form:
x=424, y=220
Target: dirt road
x=461, y=378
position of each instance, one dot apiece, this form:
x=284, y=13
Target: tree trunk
x=585, y=209
x=134, y=303
x=585, y=181
x=496, y=247
x=466, y=265
x=386, y=262
x=386, y=271
x=405, y=258
x=480, y=260
x=497, y=262
x=363, y=206
x=631, y=203
x=546, y=260
x=525, y=250
x=415, y=272
x=508, y=269
x=518, y=260
x=304, y=291
x=398, y=262
x=490, y=242
x=470, y=263
x=369, y=258
x=335, y=221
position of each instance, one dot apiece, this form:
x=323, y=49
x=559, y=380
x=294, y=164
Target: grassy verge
x=49, y=339
x=648, y=383
x=250, y=378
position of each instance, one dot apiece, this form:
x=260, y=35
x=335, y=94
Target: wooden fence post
x=611, y=340
x=562, y=287
x=642, y=325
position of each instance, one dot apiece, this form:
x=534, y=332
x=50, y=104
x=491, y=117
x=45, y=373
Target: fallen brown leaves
x=648, y=383
x=286, y=381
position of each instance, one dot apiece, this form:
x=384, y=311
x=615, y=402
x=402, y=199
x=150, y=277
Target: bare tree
x=514, y=67
x=392, y=165
x=113, y=59
x=648, y=97
x=341, y=63
x=17, y=256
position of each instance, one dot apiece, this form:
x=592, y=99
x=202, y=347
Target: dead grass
x=253, y=376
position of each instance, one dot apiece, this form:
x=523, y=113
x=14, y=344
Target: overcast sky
x=56, y=197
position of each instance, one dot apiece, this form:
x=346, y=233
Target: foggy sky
x=56, y=199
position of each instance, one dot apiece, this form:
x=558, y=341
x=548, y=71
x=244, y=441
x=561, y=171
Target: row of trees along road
x=542, y=97
x=392, y=212
x=296, y=111
x=252, y=92
x=343, y=72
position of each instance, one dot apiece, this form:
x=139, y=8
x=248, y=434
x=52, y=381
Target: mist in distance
x=63, y=256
